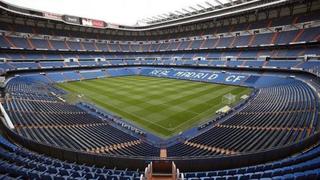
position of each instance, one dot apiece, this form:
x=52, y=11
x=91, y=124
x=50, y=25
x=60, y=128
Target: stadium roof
x=125, y=12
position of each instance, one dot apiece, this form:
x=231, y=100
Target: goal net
x=228, y=99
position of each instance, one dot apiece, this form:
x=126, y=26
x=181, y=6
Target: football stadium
x=219, y=90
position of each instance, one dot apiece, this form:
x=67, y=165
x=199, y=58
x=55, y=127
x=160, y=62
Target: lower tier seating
x=270, y=120
x=302, y=166
x=19, y=163
x=42, y=117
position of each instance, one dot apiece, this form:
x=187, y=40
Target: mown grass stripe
x=160, y=105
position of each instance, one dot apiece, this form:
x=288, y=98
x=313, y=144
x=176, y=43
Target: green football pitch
x=162, y=106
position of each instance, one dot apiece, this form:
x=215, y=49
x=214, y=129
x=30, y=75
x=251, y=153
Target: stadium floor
x=161, y=106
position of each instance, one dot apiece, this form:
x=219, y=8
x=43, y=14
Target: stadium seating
x=303, y=166
x=288, y=126
x=275, y=38
x=259, y=125
x=31, y=114
x=278, y=57
x=17, y=162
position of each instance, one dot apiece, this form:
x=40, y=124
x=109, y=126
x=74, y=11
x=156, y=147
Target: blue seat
x=126, y=178
x=244, y=177
x=212, y=173
x=89, y=176
x=207, y=178
x=288, y=177
x=256, y=175
x=222, y=173
x=277, y=178
x=190, y=175
x=52, y=170
x=312, y=174
x=76, y=174
x=267, y=174
x=232, y=177
x=231, y=172
x=58, y=177
x=112, y=177
x=201, y=174
x=241, y=171
x=33, y=175
x=41, y=168
x=101, y=176
x=46, y=176
x=221, y=178
x=64, y=172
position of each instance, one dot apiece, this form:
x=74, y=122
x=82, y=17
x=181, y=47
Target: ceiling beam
x=143, y=20
x=199, y=5
x=162, y=17
x=219, y=2
x=179, y=12
x=194, y=9
x=166, y=15
x=172, y=14
x=156, y=18
x=150, y=19
x=186, y=10
x=209, y=4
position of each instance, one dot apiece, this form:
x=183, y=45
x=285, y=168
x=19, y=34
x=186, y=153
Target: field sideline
x=159, y=105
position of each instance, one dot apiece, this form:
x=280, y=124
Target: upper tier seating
x=300, y=18
x=313, y=65
x=277, y=38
